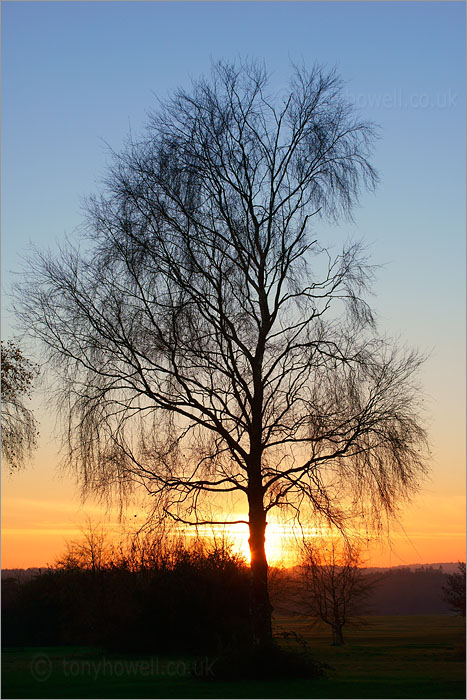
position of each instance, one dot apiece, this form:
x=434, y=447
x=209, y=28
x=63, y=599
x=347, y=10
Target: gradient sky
x=78, y=75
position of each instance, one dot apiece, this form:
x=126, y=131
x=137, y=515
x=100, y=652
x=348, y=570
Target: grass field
x=389, y=657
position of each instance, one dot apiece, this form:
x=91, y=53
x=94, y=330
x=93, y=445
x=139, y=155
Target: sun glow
x=281, y=542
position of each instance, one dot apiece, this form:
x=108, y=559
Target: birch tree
x=206, y=342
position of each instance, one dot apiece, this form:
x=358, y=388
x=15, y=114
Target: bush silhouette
x=195, y=600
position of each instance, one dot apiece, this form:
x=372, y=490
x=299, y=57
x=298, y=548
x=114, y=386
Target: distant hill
x=24, y=574
x=402, y=591
x=416, y=590
x=448, y=567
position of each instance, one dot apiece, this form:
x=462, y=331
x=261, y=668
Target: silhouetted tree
x=454, y=591
x=206, y=344
x=91, y=552
x=334, y=585
x=19, y=428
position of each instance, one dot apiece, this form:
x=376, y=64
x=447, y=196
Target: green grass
x=389, y=657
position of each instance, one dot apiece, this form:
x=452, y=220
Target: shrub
x=195, y=600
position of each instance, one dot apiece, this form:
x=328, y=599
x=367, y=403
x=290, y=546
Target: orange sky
x=41, y=510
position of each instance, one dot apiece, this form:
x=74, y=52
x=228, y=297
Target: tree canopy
x=19, y=428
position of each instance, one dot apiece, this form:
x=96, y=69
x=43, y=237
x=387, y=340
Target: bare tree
x=93, y=551
x=334, y=585
x=206, y=344
x=19, y=428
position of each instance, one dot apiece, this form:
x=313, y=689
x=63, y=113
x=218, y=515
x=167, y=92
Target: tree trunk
x=260, y=606
x=337, y=636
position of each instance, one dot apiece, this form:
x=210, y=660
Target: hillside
x=397, y=591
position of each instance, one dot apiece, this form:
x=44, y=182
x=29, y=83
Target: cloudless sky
x=78, y=75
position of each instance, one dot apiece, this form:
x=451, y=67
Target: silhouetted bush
x=269, y=663
x=34, y=614
x=193, y=600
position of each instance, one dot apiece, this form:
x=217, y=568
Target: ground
x=388, y=657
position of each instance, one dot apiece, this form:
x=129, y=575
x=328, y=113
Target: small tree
x=19, y=428
x=454, y=591
x=206, y=344
x=92, y=552
x=334, y=586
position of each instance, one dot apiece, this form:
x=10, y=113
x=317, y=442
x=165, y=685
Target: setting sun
x=281, y=540
x=279, y=543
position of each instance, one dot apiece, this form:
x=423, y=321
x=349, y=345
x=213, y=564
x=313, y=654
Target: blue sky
x=78, y=74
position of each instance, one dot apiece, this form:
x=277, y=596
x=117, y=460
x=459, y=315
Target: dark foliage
x=267, y=663
x=454, y=591
x=19, y=427
x=199, y=602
